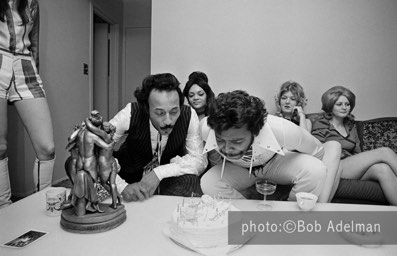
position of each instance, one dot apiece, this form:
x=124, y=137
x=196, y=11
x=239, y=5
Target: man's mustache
x=167, y=127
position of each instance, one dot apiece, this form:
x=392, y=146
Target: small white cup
x=306, y=201
x=54, y=200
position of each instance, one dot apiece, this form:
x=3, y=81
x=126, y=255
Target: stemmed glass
x=265, y=187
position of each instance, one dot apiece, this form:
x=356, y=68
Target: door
x=101, y=67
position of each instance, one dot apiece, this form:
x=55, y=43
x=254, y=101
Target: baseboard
x=18, y=196
x=59, y=181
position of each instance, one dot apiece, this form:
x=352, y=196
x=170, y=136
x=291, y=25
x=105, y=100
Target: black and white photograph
x=25, y=239
x=199, y=127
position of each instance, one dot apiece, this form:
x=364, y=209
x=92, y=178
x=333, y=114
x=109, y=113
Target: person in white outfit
x=245, y=144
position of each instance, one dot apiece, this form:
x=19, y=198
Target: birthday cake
x=202, y=222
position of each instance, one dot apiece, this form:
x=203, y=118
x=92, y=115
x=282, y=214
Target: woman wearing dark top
x=338, y=124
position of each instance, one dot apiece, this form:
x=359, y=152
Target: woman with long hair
x=21, y=85
x=198, y=93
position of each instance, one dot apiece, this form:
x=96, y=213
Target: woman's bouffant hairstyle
x=237, y=109
x=198, y=74
x=204, y=85
x=331, y=96
x=296, y=89
x=160, y=82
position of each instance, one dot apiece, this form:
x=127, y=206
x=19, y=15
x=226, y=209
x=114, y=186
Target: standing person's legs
x=234, y=182
x=5, y=78
x=35, y=116
x=27, y=93
x=5, y=190
x=306, y=172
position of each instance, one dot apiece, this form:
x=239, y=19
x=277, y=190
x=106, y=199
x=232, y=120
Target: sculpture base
x=93, y=222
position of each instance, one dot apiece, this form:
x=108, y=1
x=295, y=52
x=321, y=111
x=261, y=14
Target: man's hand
x=135, y=192
x=151, y=182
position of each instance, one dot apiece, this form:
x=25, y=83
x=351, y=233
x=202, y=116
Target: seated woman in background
x=198, y=93
x=290, y=102
x=338, y=124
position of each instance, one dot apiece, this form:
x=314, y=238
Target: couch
x=373, y=133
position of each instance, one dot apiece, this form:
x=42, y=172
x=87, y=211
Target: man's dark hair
x=160, y=82
x=235, y=110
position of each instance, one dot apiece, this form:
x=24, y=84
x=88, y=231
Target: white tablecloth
x=142, y=233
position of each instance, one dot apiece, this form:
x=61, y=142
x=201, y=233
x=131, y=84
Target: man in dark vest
x=162, y=152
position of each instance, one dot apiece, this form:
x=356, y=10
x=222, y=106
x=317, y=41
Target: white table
x=142, y=233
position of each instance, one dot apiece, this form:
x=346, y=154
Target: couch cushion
x=314, y=116
x=370, y=192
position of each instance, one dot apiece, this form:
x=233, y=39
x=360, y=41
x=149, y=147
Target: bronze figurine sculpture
x=92, y=163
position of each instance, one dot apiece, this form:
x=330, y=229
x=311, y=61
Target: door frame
x=114, y=83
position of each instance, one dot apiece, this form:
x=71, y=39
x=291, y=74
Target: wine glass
x=265, y=187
